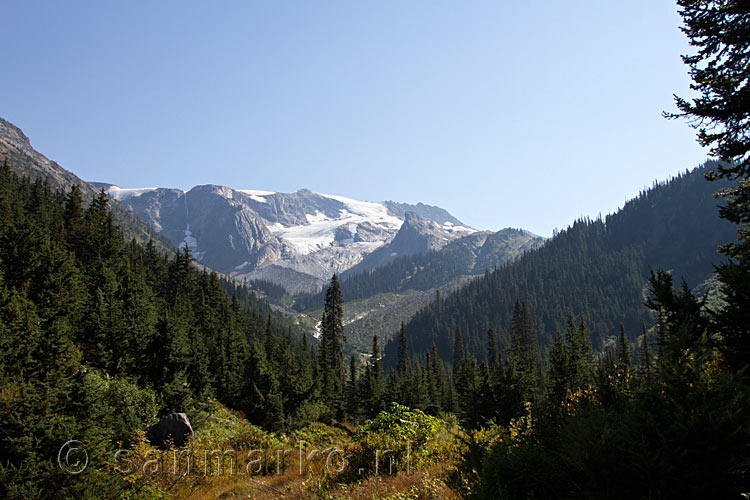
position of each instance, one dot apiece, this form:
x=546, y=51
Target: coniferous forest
x=603, y=364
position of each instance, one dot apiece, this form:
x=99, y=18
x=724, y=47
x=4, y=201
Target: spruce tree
x=525, y=357
x=560, y=370
x=403, y=351
x=375, y=381
x=468, y=392
x=332, y=350
x=623, y=348
x=353, y=408
x=459, y=349
x=719, y=31
x=492, y=352
x=646, y=361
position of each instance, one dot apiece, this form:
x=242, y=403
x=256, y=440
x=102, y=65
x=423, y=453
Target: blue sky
x=528, y=114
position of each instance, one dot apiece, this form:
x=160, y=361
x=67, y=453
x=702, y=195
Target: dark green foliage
x=468, y=384
x=374, y=382
x=720, y=31
x=596, y=269
x=403, y=351
x=459, y=350
x=685, y=434
x=525, y=349
x=331, y=363
x=98, y=337
x=623, y=348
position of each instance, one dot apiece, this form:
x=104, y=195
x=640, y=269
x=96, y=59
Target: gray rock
x=174, y=428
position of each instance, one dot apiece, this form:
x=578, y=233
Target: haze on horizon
x=505, y=115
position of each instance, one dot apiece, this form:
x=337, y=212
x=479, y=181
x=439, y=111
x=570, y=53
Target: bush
x=398, y=439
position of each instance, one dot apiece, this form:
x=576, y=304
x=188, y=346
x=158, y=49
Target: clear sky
x=520, y=114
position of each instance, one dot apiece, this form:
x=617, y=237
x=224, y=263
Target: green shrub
x=398, y=439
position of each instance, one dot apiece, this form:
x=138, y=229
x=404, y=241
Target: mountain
x=595, y=269
x=416, y=236
x=24, y=160
x=15, y=147
x=377, y=300
x=427, y=271
x=297, y=240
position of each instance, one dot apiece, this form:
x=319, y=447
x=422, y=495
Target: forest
x=592, y=367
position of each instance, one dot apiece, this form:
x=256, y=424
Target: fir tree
x=492, y=352
x=623, y=348
x=458, y=349
x=403, y=351
x=375, y=381
x=560, y=370
x=718, y=29
x=353, y=407
x=468, y=392
x=331, y=349
x=646, y=357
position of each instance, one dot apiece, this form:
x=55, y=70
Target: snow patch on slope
x=320, y=230
x=375, y=212
x=121, y=194
x=256, y=194
x=192, y=243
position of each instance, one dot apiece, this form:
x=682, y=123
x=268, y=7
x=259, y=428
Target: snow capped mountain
x=294, y=239
x=322, y=230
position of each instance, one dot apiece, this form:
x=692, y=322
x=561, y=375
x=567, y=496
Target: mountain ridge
x=254, y=234
x=22, y=159
x=595, y=269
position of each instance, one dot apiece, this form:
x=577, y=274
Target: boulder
x=174, y=428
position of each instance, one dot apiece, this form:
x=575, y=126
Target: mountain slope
x=416, y=236
x=377, y=300
x=297, y=240
x=596, y=269
x=24, y=160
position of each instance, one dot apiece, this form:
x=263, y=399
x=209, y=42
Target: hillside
x=597, y=269
x=24, y=160
x=378, y=300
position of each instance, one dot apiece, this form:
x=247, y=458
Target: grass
x=426, y=484
x=279, y=472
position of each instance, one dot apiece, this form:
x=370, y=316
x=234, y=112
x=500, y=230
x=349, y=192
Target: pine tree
x=468, y=392
x=525, y=357
x=434, y=393
x=73, y=219
x=403, y=351
x=458, y=349
x=623, y=349
x=353, y=406
x=492, y=352
x=646, y=361
x=375, y=381
x=331, y=349
x=718, y=29
x=270, y=340
x=579, y=353
x=419, y=394
x=560, y=370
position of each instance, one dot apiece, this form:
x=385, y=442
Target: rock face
x=174, y=428
x=297, y=240
x=16, y=148
x=416, y=235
